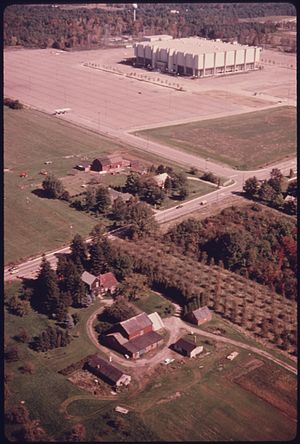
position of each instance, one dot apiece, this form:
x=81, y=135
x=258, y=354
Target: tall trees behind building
x=42, y=27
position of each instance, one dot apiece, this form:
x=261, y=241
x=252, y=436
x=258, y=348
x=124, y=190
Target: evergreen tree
x=47, y=288
x=79, y=252
x=98, y=263
x=103, y=200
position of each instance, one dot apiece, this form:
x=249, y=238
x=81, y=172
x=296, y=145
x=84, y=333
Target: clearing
x=269, y=135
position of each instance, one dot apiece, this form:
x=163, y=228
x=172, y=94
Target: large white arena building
x=195, y=56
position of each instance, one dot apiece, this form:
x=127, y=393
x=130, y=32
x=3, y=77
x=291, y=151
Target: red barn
x=107, y=163
x=198, y=316
x=137, y=326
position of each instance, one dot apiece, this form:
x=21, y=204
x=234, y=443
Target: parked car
x=203, y=202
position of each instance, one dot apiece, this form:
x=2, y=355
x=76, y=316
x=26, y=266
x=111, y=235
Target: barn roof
x=142, y=342
x=109, y=159
x=108, y=280
x=185, y=345
x=156, y=321
x=119, y=338
x=136, y=323
x=201, y=313
x=105, y=368
x=88, y=278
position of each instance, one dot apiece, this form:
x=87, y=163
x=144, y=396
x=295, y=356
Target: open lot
x=113, y=103
x=269, y=136
x=40, y=138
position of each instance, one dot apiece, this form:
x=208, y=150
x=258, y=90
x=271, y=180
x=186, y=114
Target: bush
x=210, y=177
x=13, y=104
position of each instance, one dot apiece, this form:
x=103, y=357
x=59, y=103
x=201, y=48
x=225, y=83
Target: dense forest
x=47, y=26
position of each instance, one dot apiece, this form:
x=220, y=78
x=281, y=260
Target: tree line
x=33, y=26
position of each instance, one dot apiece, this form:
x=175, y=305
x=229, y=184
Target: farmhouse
x=109, y=373
x=109, y=163
x=133, y=337
x=198, y=316
x=160, y=179
x=186, y=348
x=108, y=282
x=196, y=56
x=114, y=194
x=99, y=285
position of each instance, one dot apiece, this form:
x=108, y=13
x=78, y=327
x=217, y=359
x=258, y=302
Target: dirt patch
x=170, y=398
x=86, y=381
x=272, y=385
x=238, y=99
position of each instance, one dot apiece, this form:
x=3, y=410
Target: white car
x=168, y=361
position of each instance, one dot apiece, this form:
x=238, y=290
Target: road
x=176, y=327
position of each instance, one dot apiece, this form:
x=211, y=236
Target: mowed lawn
x=248, y=141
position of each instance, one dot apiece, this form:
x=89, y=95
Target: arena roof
x=195, y=45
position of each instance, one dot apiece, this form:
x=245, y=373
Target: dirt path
x=176, y=327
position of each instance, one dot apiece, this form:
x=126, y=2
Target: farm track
x=175, y=326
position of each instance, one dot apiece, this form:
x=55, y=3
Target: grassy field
x=245, y=142
x=154, y=302
x=180, y=402
x=33, y=225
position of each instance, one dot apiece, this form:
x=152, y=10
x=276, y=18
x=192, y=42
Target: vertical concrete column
x=235, y=52
x=203, y=64
x=153, y=56
x=215, y=63
x=184, y=65
x=245, y=59
x=225, y=57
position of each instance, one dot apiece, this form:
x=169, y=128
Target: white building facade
x=195, y=56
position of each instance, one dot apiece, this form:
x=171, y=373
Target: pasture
x=190, y=399
x=33, y=225
x=268, y=135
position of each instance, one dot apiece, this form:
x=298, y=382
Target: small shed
x=106, y=371
x=83, y=166
x=186, y=348
x=198, y=316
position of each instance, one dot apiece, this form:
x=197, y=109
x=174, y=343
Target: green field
x=33, y=225
x=209, y=407
x=154, y=302
x=248, y=141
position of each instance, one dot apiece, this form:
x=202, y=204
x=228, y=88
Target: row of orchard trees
x=204, y=283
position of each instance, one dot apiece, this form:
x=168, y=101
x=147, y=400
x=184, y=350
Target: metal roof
x=156, y=321
x=201, y=313
x=105, y=368
x=185, y=345
x=194, y=45
x=136, y=323
x=88, y=278
x=141, y=342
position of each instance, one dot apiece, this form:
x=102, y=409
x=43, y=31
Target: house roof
x=105, y=368
x=201, y=313
x=141, y=342
x=136, y=323
x=156, y=321
x=115, y=194
x=289, y=198
x=84, y=164
x=161, y=178
x=108, y=280
x=88, y=278
x=185, y=345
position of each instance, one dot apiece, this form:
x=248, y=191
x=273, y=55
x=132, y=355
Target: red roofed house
x=108, y=282
x=198, y=316
x=99, y=285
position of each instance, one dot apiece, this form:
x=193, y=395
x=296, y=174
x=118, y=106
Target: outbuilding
x=106, y=371
x=198, y=316
x=186, y=348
